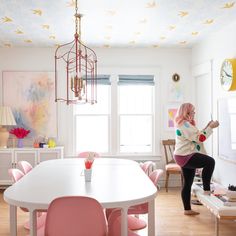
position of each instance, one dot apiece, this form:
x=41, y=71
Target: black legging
x=198, y=160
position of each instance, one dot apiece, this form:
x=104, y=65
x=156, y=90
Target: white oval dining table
x=115, y=183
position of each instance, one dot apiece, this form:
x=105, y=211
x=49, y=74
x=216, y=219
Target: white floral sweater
x=189, y=139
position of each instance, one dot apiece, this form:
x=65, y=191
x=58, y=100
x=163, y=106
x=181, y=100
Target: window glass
x=135, y=134
x=92, y=133
x=135, y=99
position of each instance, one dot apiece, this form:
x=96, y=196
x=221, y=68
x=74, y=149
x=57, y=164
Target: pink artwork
x=171, y=116
x=31, y=97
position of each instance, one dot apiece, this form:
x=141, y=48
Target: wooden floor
x=170, y=220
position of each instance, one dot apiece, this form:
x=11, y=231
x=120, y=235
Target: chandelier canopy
x=80, y=65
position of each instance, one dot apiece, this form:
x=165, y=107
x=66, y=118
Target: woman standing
x=190, y=153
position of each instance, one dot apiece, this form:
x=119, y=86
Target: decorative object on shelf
x=51, y=143
x=36, y=144
x=41, y=144
x=228, y=74
x=20, y=133
x=80, y=62
x=6, y=119
x=175, y=77
x=231, y=192
x=88, y=162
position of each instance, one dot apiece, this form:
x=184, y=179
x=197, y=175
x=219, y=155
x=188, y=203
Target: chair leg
x=167, y=181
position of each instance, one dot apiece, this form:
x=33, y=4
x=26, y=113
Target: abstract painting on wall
x=31, y=97
x=171, y=113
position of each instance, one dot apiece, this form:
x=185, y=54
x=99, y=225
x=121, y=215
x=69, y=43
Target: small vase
x=20, y=143
x=87, y=175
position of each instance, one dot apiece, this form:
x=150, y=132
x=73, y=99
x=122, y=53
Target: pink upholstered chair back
x=155, y=176
x=15, y=174
x=75, y=216
x=148, y=167
x=25, y=166
x=88, y=154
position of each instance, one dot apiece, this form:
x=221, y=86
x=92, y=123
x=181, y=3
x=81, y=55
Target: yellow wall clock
x=228, y=74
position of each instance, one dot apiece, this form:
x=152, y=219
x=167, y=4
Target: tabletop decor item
x=51, y=143
x=6, y=119
x=88, y=162
x=20, y=133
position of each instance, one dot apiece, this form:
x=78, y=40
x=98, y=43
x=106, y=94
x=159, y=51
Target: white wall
x=216, y=48
x=165, y=61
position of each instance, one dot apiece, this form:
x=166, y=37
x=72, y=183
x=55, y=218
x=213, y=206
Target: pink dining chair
x=16, y=175
x=25, y=166
x=134, y=223
x=147, y=166
x=143, y=208
x=88, y=154
x=75, y=216
x=114, y=224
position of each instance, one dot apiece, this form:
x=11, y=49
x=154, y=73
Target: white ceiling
x=113, y=23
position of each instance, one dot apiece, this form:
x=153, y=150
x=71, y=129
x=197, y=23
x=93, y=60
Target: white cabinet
x=11, y=156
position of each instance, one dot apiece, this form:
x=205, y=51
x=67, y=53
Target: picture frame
x=170, y=113
x=30, y=94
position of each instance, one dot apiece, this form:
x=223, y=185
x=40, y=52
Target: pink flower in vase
x=89, y=161
x=20, y=132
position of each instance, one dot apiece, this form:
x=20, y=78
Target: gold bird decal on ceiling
x=71, y=3
x=183, y=42
x=172, y=27
x=109, y=27
x=7, y=45
x=208, y=22
x=228, y=5
x=137, y=33
x=6, y=19
x=162, y=37
x=151, y=4
x=45, y=26
x=194, y=33
x=52, y=37
x=155, y=45
x=132, y=42
x=106, y=46
x=37, y=12
x=107, y=37
x=19, y=31
x=28, y=41
x=183, y=13
x=111, y=12
x=143, y=21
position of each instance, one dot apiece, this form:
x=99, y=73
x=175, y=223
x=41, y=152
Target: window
x=92, y=121
x=122, y=124
x=136, y=113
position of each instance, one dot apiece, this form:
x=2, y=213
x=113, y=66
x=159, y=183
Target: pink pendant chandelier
x=80, y=64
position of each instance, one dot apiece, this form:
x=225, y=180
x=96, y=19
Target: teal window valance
x=136, y=80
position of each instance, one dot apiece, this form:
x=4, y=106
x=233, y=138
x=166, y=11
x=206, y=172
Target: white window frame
x=114, y=126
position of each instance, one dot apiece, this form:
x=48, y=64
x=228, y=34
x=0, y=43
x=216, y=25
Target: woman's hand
x=214, y=124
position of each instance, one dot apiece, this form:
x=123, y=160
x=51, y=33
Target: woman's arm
x=190, y=132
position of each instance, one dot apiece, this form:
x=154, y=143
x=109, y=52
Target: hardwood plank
x=170, y=220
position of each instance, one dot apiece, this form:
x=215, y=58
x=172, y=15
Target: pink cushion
x=173, y=167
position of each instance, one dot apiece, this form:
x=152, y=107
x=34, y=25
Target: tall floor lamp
x=6, y=119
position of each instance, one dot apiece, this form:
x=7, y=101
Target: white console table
x=215, y=205
x=9, y=158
